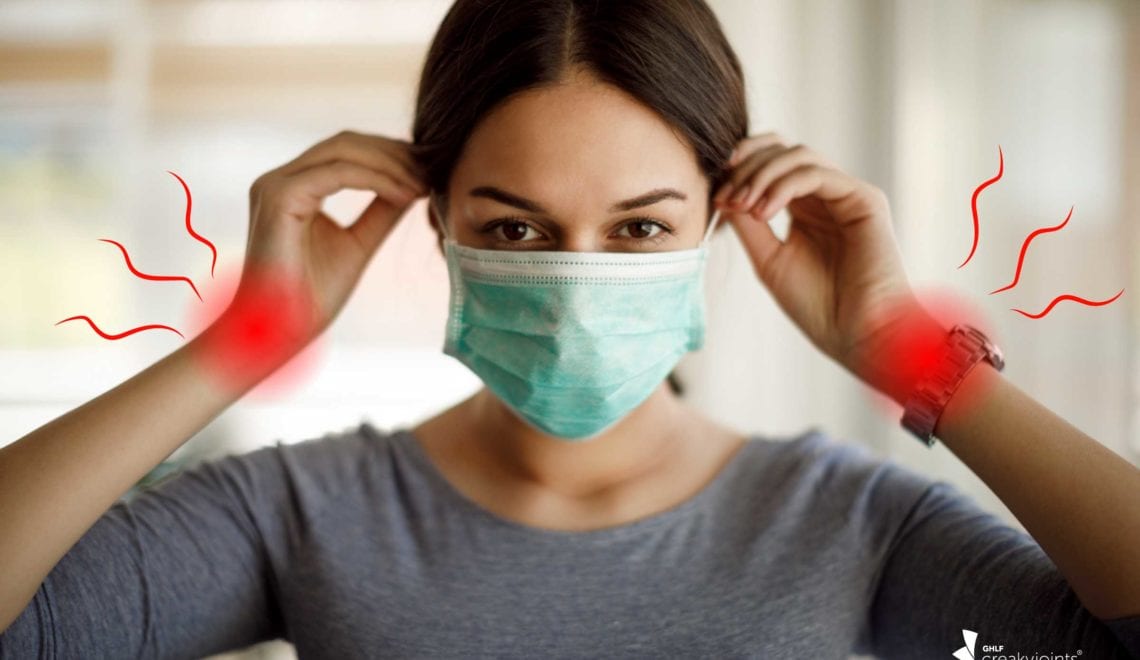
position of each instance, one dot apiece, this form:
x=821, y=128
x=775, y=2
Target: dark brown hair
x=671, y=55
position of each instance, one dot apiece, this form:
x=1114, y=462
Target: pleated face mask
x=573, y=341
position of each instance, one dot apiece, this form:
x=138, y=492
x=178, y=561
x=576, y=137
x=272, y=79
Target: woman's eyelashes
x=515, y=230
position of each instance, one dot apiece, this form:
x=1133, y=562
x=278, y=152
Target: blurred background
x=99, y=99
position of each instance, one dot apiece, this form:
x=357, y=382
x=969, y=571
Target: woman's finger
x=810, y=179
x=760, y=242
x=753, y=143
x=331, y=146
x=373, y=151
x=771, y=169
x=301, y=194
x=374, y=224
x=744, y=171
x=746, y=149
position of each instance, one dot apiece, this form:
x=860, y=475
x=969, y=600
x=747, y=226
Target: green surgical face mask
x=573, y=341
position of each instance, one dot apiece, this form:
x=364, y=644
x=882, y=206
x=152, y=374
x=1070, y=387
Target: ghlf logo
x=967, y=651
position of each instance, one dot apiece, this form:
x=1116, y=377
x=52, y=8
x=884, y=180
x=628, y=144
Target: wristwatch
x=966, y=346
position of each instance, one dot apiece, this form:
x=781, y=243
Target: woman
x=576, y=155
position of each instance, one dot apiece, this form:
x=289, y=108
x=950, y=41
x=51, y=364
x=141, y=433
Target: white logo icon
x=967, y=651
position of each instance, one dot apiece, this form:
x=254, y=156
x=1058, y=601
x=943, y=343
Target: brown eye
x=640, y=229
x=514, y=231
x=511, y=230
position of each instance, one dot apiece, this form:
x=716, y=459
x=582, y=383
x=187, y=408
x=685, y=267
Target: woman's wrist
x=896, y=362
x=243, y=347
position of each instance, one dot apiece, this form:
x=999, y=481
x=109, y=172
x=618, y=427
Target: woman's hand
x=289, y=230
x=839, y=275
x=300, y=265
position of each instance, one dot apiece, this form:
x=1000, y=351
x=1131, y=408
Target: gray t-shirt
x=354, y=545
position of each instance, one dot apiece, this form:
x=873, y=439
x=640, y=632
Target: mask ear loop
x=712, y=226
x=442, y=220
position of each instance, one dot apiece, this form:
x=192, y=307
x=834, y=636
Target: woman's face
x=578, y=167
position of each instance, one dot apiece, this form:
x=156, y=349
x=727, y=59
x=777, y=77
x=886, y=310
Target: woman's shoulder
x=337, y=457
x=822, y=457
x=818, y=473
x=317, y=469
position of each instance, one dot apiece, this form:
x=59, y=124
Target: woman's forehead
x=576, y=135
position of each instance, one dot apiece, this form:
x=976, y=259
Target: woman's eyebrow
x=502, y=196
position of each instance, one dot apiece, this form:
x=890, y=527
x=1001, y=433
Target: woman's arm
x=839, y=276
x=300, y=267
x=61, y=477
x=1078, y=499
x=189, y=567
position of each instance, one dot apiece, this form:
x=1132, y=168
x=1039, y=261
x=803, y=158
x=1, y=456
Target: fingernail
x=740, y=194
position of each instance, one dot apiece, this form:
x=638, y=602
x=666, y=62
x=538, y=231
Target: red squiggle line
x=159, y=278
x=132, y=331
x=200, y=238
x=1067, y=297
x=974, y=202
x=1025, y=246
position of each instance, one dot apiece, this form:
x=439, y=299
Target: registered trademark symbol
x=1079, y=651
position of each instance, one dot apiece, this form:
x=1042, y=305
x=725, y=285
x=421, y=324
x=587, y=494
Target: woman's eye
x=641, y=229
x=516, y=230
x=513, y=230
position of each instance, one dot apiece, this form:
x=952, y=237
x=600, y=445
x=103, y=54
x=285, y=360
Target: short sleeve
x=955, y=570
x=180, y=570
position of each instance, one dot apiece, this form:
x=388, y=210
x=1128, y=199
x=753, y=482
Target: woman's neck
x=650, y=437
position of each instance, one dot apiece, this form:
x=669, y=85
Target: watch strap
x=966, y=346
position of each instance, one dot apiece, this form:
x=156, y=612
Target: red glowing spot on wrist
x=912, y=343
x=263, y=337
